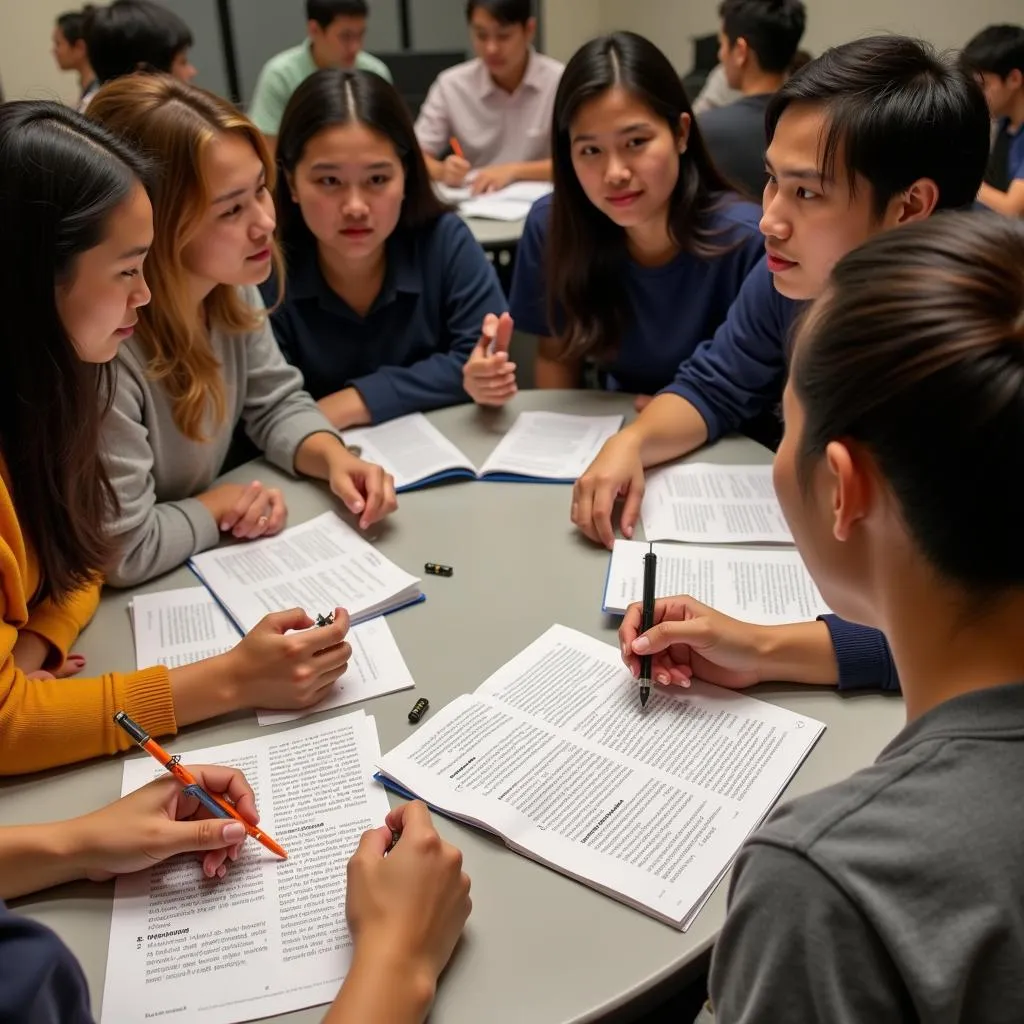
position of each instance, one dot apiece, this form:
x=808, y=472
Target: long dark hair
x=61, y=177
x=916, y=352
x=333, y=97
x=586, y=251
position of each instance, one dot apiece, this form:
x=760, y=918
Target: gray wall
x=207, y=53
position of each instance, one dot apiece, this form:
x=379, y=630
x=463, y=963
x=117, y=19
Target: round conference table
x=539, y=947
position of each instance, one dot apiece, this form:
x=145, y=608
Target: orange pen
x=214, y=804
x=456, y=148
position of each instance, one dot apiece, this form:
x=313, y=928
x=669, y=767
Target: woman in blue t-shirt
x=387, y=289
x=641, y=250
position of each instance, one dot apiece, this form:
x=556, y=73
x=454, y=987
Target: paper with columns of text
x=320, y=565
x=271, y=936
x=180, y=627
x=547, y=447
x=711, y=504
x=765, y=587
x=648, y=805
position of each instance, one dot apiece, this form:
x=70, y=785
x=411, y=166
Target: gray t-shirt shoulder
x=897, y=895
x=735, y=136
x=156, y=470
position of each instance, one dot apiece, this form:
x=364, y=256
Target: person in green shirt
x=337, y=29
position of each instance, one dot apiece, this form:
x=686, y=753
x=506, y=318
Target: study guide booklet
x=703, y=503
x=318, y=566
x=548, y=447
x=554, y=754
x=765, y=587
x=180, y=627
x=270, y=937
x=511, y=203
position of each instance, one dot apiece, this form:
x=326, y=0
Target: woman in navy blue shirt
x=642, y=248
x=387, y=289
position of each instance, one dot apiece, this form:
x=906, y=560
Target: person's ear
x=918, y=202
x=741, y=52
x=289, y=177
x=851, y=487
x=530, y=30
x=685, y=122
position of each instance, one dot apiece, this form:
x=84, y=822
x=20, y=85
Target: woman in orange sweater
x=73, y=196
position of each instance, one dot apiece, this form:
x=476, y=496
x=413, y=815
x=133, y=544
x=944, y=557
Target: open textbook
x=511, y=203
x=318, y=566
x=180, y=627
x=649, y=805
x=713, y=504
x=765, y=587
x=552, y=447
x=271, y=936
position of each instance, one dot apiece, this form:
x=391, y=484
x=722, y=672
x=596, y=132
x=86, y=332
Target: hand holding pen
x=455, y=167
x=217, y=806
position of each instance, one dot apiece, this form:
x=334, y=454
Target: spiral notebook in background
x=318, y=566
x=554, y=754
x=541, y=447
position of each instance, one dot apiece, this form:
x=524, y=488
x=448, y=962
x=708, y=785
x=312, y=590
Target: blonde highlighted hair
x=174, y=123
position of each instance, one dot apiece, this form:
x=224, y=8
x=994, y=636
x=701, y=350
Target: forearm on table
x=799, y=652
x=345, y=409
x=206, y=689
x=319, y=453
x=376, y=992
x=533, y=170
x=666, y=429
x=435, y=167
x=30, y=651
x=36, y=857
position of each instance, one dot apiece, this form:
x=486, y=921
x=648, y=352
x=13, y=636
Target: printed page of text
x=180, y=627
x=711, y=504
x=271, y=936
x=764, y=587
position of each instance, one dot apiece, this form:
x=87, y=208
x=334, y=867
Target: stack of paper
x=548, y=447
x=179, y=627
x=555, y=755
x=508, y=204
x=713, y=504
x=765, y=587
x=271, y=936
x=319, y=566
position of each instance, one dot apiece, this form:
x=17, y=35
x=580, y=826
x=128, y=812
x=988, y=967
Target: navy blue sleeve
x=280, y=320
x=470, y=290
x=740, y=372
x=528, y=301
x=40, y=981
x=865, y=661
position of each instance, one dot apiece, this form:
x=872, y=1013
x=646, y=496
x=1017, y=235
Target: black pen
x=647, y=621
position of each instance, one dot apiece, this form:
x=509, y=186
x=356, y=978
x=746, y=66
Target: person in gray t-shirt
x=757, y=42
x=898, y=895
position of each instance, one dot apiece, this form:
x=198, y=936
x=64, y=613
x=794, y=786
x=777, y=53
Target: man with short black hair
x=996, y=56
x=756, y=45
x=336, y=30
x=497, y=107
x=70, y=53
x=137, y=35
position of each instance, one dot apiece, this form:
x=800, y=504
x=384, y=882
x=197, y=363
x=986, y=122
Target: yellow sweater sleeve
x=45, y=723
x=60, y=624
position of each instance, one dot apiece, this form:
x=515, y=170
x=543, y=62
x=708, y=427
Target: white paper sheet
x=712, y=504
x=765, y=587
x=271, y=937
x=649, y=805
x=317, y=566
x=180, y=627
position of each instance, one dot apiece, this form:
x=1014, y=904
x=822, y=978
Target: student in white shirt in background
x=496, y=107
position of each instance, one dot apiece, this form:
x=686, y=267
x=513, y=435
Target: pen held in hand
x=213, y=803
x=647, y=621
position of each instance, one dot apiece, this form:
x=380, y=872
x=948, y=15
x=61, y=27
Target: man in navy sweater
x=872, y=135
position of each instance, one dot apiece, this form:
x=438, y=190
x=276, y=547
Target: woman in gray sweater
x=203, y=357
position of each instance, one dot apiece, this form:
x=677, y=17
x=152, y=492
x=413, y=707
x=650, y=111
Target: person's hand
x=408, y=906
x=159, y=821
x=490, y=179
x=454, y=170
x=283, y=663
x=258, y=512
x=487, y=376
x=73, y=664
x=246, y=511
x=689, y=640
x=617, y=472
x=364, y=488
x=642, y=401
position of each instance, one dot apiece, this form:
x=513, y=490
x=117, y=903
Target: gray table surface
x=539, y=947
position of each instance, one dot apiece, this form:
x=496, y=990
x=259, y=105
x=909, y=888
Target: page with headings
x=411, y=449
x=271, y=936
x=650, y=805
x=711, y=504
x=320, y=565
x=764, y=587
x=550, y=446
